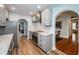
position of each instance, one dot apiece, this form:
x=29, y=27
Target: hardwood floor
x=26, y=47
x=78, y=48
x=67, y=46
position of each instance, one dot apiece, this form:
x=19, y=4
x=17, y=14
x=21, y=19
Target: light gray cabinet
x=30, y=34
x=45, y=42
x=10, y=48
x=2, y=17
x=47, y=17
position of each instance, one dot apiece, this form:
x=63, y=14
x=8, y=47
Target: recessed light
x=38, y=6
x=13, y=8
x=1, y=5
x=31, y=13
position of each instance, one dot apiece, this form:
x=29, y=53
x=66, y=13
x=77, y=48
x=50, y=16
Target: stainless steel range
x=35, y=37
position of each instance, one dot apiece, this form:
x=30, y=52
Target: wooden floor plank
x=68, y=46
x=26, y=47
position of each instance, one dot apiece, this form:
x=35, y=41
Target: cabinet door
x=2, y=17
x=42, y=42
x=43, y=45
x=45, y=42
x=44, y=18
x=47, y=17
x=49, y=42
x=30, y=34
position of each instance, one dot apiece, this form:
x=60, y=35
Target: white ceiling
x=25, y=9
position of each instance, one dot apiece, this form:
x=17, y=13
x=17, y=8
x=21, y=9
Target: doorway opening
x=23, y=28
x=67, y=32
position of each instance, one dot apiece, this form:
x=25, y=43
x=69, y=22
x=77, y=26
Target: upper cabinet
x=3, y=16
x=47, y=17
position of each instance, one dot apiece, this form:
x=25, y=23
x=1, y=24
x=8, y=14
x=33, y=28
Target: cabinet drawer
x=42, y=43
x=41, y=38
x=45, y=42
x=43, y=47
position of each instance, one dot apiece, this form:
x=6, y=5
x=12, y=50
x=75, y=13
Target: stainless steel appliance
x=35, y=37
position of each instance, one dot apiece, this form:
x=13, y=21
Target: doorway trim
x=18, y=29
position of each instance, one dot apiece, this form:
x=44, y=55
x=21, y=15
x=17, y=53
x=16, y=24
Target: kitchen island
x=5, y=41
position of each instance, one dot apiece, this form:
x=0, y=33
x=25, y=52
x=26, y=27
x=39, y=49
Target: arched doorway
x=67, y=32
x=23, y=28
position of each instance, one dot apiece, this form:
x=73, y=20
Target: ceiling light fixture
x=13, y=8
x=38, y=6
x=31, y=13
x=1, y=5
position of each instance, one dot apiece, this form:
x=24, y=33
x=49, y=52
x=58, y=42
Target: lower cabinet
x=30, y=34
x=45, y=42
x=10, y=48
x=13, y=45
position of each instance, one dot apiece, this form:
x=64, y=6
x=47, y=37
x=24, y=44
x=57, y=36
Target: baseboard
x=63, y=38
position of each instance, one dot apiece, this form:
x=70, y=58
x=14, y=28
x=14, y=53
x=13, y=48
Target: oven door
x=35, y=38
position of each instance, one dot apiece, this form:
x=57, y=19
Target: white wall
x=57, y=9
x=16, y=17
x=64, y=31
x=25, y=28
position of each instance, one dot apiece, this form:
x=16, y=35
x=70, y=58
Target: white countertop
x=44, y=32
x=5, y=41
x=32, y=30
